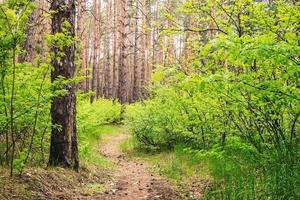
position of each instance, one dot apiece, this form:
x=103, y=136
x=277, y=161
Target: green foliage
x=176, y=114
x=91, y=119
x=31, y=111
x=25, y=94
x=238, y=110
x=235, y=168
x=61, y=40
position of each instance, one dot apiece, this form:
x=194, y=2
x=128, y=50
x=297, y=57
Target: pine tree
x=63, y=149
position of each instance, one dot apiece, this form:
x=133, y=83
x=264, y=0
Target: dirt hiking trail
x=131, y=179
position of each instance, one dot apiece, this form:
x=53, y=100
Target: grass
x=90, y=145
x=93, y=188
x=109, y=130
x=89, y=149
x=177, y=165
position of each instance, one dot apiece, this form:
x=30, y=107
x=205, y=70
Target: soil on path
x=131, y=180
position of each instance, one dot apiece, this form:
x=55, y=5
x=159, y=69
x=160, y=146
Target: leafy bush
x=239, y=106
x=176, y=114
x=244, y=139
x=24, y=92
x=31, y=118
x=90, y=120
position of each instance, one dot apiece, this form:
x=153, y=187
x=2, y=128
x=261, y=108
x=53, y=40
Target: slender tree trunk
x=88, y=52
x=145, y=73
x=30, y=42
x=155, y=56
x=12, y=112
x=81, y=34
x=95, y=70
x=123, y=70
x=136, y=69
x=100, y=63
x=169, y=40
x=107, y=66
x=63, y=148
x=5, y=110
x=116, y=47
x=147, y=43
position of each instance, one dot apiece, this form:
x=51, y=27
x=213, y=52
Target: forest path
x=131, y=179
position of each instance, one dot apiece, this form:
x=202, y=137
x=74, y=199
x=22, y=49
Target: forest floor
x=124, y=177
x=132, y=179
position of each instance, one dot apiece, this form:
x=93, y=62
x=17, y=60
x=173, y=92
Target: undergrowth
x=178, y=166
x=92, y=121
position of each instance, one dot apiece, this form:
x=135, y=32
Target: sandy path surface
x=131, y=180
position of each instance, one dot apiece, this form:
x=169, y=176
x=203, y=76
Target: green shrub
x=90, y=120
x=246, y=135
x=239, y=106
x=31, y=120
x=177, y=114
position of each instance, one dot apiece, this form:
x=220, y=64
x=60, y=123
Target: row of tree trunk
x=120, y=43
x=115, y=46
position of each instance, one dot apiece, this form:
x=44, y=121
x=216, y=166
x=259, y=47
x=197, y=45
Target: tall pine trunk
x=123, y=70
x=136, y=69
x=63, y=149
x=95, y=85
x=30, y=42
x=115, y=49
x=107, y=56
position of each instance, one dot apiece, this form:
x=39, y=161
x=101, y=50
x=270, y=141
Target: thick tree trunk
x=63, y=148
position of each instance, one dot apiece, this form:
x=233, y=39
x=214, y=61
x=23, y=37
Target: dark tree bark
x=63, y=149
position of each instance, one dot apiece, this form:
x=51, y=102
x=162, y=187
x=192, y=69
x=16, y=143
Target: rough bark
x=123, y=70
x=107, y=56
x=81, y=35
x=30, y=42
x=136, y=67
x=100, y=67
x=95, y=71
x=63, y=148
x=144, y=54
x=115, y=48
